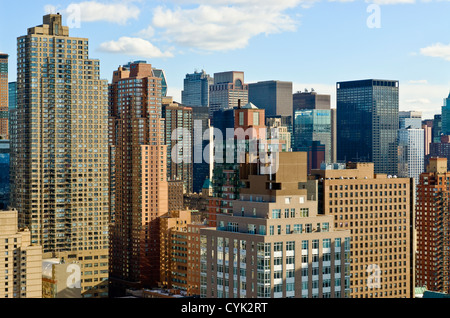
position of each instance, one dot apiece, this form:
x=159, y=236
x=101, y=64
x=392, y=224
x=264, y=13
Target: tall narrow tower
x=4, y=96
x=60, y=158
x=141, y=188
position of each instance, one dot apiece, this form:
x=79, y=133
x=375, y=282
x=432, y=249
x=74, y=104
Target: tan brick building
x=379, y=211
x=59, y=160
x=21, y=261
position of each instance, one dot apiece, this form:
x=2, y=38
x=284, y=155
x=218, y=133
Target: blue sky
x=312, y=43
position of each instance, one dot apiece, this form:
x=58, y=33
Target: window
x=256, y=118
x=276, y=213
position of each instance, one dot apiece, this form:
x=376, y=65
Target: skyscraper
x=410, y=153
x=178, y=138
x=432, y=226
x=12, y=105
x=141, y=188
x=445, y=111
x=367, y=123
x=274, y=96
x=311, y=127
x=60, y=161
x=4, y=134
x=437, y=128
x=427, y=126
x=410, y=145
x=201, y=167
x=228, y=89
x=195, y=91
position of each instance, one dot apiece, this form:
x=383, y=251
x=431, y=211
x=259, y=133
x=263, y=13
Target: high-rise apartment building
x=227, y=91
x=21, y=261
x=60, y=158
x=367, y=123
x=141, y=187
x=274, y=244
x=274, y=96
x=195, y=91
x=379, y=212
x=178, y=137
x=4, y=88
x=432, y=226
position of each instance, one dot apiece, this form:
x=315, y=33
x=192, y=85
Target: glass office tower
x=312, y=125
x=367, y=123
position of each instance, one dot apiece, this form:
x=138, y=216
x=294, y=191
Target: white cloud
x=147, y=33
x=215, y=28
x=92, y=11
x=437, y=50
x=133, y=46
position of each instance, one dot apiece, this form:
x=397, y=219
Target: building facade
x=4, y=90
x=313, y=125
x=410, y=153
x=195, y=91
x=201, y=167
x=274, y=244
x=432, y=225
x=310, y=100
x=178, y=137
x=445, y=117
x=227, y=91
x=21, y=260
x=141, y=188
x=274, y=96
x=379, y=212
x=367, y=123
x=59, y=164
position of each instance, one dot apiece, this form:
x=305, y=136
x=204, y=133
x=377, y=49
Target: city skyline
x=323, y=208
x=290, y=38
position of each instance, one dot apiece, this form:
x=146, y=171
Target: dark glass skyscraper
x=196, y=89
x=367, y=123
